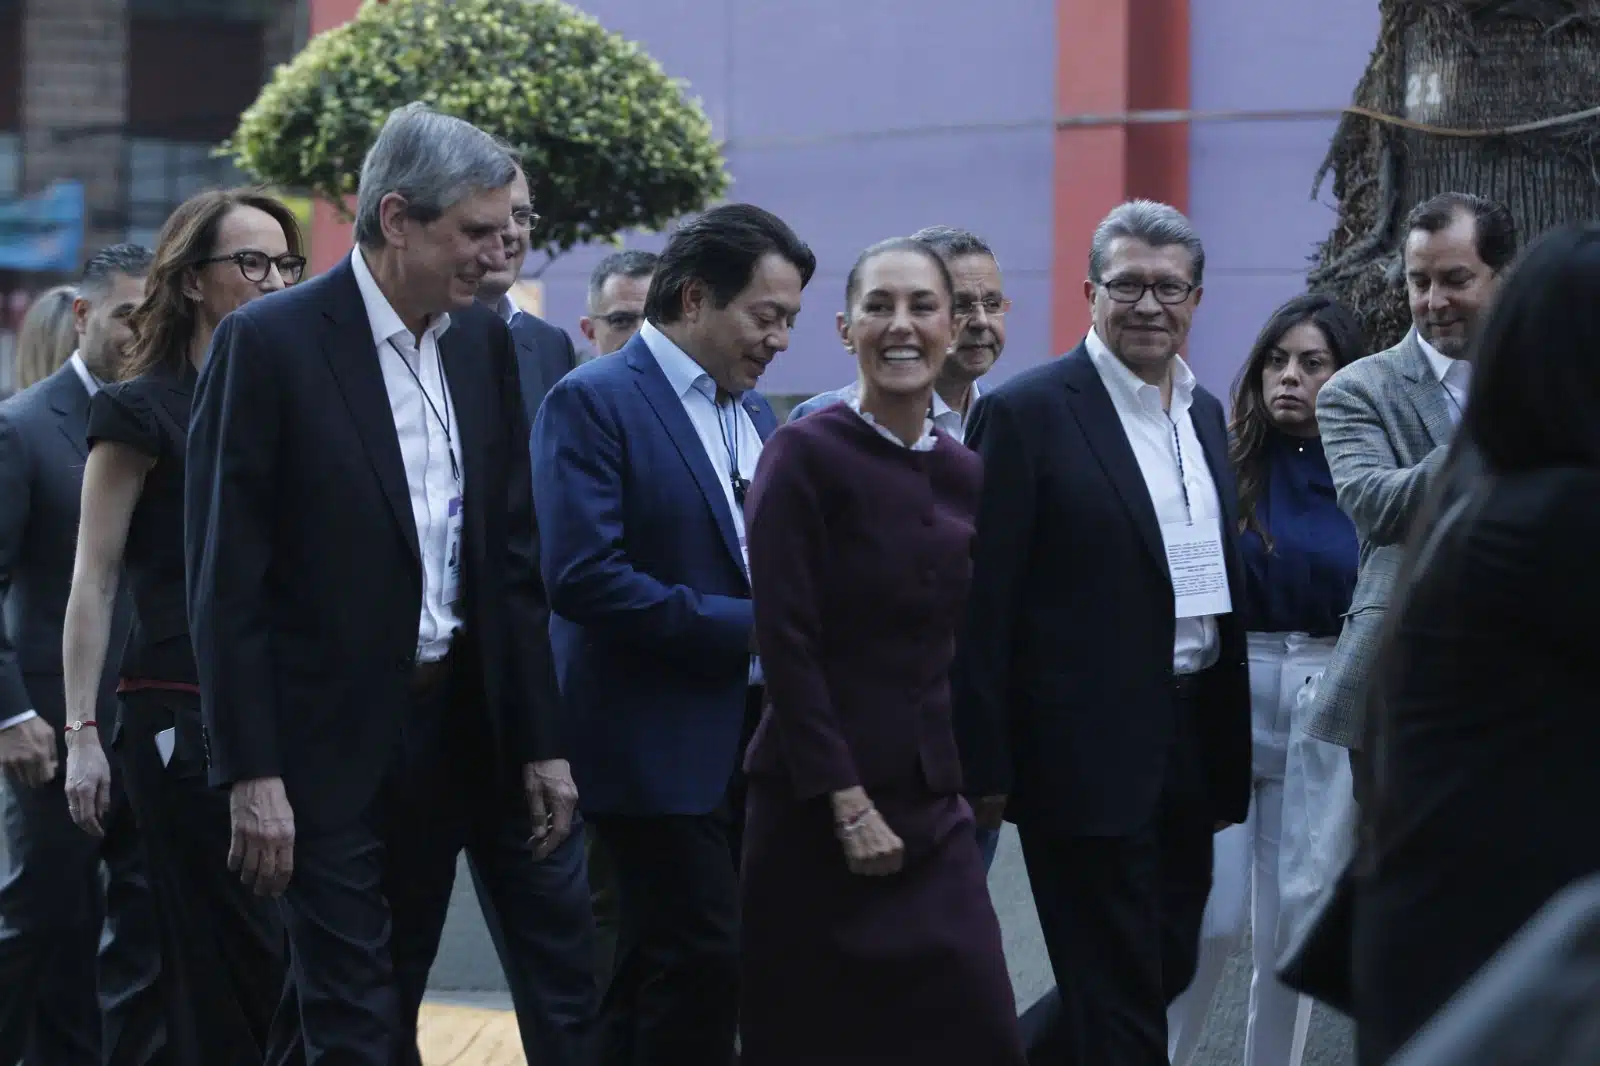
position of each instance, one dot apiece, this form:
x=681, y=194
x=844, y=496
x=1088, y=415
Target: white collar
x=679, y=366
x=1134, y=389
x=1440, y=362
x=940, y=408
x=924, y=443
x=90, y=382
x=507, y=308
x=381, y=315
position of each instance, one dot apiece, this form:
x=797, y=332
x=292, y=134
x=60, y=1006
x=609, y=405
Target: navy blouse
x=1304, y=584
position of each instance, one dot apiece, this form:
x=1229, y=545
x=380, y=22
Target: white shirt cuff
x=18, y=719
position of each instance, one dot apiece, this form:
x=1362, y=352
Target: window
x=10, y=166
x=163, y=174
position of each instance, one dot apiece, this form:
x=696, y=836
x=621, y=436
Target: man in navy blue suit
x=641, y=462
x=538, y=912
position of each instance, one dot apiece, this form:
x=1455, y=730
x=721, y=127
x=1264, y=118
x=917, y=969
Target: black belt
x=1188, y=686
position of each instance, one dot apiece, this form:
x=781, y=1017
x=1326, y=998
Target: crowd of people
x=315, y=585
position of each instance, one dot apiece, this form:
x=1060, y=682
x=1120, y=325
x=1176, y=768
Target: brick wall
x=75, y=76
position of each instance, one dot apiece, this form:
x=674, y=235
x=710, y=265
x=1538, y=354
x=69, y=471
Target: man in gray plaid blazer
x=1387, y=420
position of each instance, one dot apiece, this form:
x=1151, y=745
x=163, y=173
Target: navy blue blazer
x=544, y=355
x=650, y=604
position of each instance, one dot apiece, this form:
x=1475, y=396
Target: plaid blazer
x=1385, y=425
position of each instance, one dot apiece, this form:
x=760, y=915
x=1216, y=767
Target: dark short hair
x=952, y=243
x=128, y=260
x=721, y=248
x=1494, y=230
x=1535, y=380
x=852, y=281
x=631, y=263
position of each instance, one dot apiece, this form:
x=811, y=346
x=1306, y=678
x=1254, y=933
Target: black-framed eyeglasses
x=992, y=306
x=256, y=265
x=1129, y=291
x=526, y=217
x=622, y=320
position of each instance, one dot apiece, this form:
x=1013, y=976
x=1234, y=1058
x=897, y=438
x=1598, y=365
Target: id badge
x=452, y=551
x=1199, y=568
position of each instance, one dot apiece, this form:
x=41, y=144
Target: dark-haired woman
x=222, y=969
x=867, y=935
x=1300, y=556
x=1486, y=792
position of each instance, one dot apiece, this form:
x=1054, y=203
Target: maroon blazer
x=860, y=559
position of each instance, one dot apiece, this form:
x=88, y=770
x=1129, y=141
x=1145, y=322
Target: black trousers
x=539, y=918
x=674, y=992
x=222, y=947
x=603, y=903
x=1121, y=921
x=366, y=906
x=53, y=902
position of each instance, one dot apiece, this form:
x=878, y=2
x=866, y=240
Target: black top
x=150, y=414
x=1487, y=782
x=1304, y=583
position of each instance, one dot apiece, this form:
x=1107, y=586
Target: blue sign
x=44, y=232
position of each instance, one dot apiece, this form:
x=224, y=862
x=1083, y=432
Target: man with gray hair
x=1101, y=688
x=364, y=594
x=617, y=289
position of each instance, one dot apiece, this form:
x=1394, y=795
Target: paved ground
x=468, y=973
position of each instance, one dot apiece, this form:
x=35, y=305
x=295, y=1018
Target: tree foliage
x=608, y=141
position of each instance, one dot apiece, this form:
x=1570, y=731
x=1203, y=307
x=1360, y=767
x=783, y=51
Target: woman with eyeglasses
x=222, y=965
x=1300, y=554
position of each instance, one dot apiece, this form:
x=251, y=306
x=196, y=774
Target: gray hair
x=952, y=243
x=631, y=263
x=1157, y=224
x=435, y=161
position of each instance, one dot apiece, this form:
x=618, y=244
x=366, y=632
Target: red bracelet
x=80, y=725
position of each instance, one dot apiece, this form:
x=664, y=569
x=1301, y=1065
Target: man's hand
x=552, y=800
x=262, y=852
x=989, y=811
x=88, y=783
x=28, y=752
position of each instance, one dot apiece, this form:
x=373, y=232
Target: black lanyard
x=444, y=419
x=1183, y=480
x=735, y=479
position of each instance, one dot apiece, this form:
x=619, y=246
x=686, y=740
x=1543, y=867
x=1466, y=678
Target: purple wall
x=1250, y=182
x=839, y=83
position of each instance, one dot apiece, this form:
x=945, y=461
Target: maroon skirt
x=846, y=970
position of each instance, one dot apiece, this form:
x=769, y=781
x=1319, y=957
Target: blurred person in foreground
x=538, y=912
x=863, y=898
x=47, y=336
x=1299, y=552
x=617, y=290
x=221, y=947
x=1483, y=726
x=370, y=626
x=51, y=899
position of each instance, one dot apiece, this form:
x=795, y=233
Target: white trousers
x=1247, y=874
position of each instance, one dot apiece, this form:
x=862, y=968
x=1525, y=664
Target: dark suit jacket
x=650, y=604
x=861, y=553
x=1064, y=696
x=305, y=582
x=544, y=356
x=42, y=451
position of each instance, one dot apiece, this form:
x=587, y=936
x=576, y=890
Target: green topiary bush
x=608, y=141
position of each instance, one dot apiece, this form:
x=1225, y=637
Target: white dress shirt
x=947, y=418
x=1454, y=374
x=726, y=432
x=1149, y=431
x=507, y=308
x=426, y=449
x=80, y=368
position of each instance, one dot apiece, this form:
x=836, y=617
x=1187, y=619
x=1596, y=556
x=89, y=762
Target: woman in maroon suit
x=868, y=935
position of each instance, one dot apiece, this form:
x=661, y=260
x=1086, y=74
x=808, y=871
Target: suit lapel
x=70, y=401
x=1102, y=427
x=1426, y=393
x=669, y=409
x=347, y=345
x=1214, y=442
x=761, y=415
